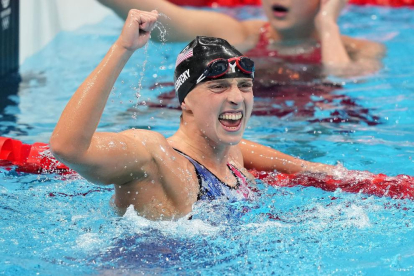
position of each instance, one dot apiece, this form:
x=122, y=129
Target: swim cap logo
x=233, y=67
x=181, y=79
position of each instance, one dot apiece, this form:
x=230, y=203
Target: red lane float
x=216, y=3
x=37, y=159
x=26, y=158
x=234, y=3
x=391, y=3
x=399, y=187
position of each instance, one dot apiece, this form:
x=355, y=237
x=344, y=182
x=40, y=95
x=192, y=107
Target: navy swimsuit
x=211, y=187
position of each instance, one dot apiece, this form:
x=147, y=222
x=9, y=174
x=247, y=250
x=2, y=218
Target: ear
x=183, y=106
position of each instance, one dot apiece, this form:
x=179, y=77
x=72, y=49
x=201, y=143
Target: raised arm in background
x=300, y=23
x=343, y=55
x=184, y=24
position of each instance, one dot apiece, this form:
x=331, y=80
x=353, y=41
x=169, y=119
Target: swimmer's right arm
x=104, y=158
x=263, y=158
x=185, y=24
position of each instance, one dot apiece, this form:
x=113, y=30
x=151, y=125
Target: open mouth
x=231, y=121
x=279, y=11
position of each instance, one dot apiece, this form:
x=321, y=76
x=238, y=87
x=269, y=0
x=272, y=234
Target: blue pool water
x=53, y=225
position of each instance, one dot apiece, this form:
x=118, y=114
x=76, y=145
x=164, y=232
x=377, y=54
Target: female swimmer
x=206, y=158
x=295, y=30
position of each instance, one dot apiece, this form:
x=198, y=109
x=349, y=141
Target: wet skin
x=202, y=135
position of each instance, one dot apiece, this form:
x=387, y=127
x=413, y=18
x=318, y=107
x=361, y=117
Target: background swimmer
x=151, y=172
x=296, y=30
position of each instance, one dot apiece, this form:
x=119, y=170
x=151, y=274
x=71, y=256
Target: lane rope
x=235, y=3
x=37, y=159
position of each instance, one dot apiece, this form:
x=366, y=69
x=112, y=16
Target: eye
x=217, y=87
x=246, y=86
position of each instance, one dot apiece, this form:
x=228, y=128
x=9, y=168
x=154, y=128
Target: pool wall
x=41, y=20
x=9, y=37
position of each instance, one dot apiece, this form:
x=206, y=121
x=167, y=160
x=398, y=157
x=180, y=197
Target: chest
x=164, y=192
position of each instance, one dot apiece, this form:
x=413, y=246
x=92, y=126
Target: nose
x=235, y=96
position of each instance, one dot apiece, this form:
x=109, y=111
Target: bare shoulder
x=254, y=25
x=144, y=136
x=364, y=47
x=252, y=29
x=150, y=140
x=156, y=155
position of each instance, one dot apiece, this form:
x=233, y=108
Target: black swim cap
x=194, y=58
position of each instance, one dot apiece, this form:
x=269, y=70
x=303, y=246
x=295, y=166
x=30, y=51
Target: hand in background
x=329, y=11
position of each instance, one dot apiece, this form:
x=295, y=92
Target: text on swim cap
x=181, y=79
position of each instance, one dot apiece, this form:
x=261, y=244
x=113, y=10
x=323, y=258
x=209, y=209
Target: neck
x=200, y=148
x=293, y=37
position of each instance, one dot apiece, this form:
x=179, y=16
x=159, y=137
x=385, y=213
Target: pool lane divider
x=397, y=187
x=37, y=159
x=27, y=158
x=235, y=3
x=391, y=3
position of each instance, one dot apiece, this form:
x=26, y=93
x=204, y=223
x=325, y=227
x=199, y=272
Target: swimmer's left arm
x=262, y=158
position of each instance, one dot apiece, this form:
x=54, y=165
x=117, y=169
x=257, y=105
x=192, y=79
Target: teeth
x=231, y=116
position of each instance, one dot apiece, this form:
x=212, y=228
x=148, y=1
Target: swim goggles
x=219, y=67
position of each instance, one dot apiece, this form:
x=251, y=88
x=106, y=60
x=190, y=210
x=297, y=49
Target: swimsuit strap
x=211, y=187
x=242, y=182
x=240, y=177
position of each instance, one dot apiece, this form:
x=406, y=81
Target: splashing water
x=67, y=226
x=162, y=38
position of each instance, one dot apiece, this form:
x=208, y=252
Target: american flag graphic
x=183, y=56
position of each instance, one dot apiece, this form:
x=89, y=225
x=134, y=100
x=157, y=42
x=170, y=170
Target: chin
x=281, y=26
x=231, y=141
